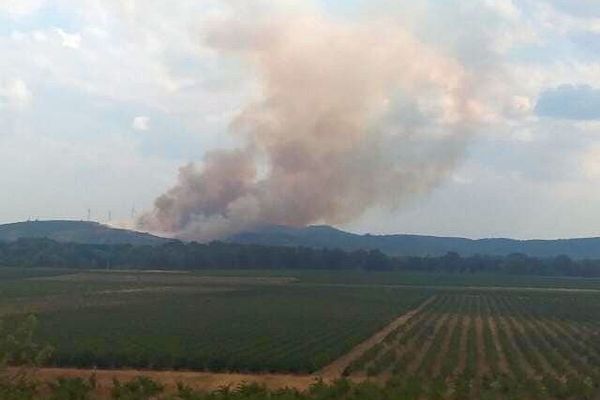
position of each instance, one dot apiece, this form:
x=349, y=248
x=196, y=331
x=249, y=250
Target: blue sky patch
x=570, y=102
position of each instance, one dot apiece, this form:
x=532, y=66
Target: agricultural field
x=452, y=337
x=185, y=321
x=479, y=344
x=420, y=279
x=256, y=329
x=12, y=274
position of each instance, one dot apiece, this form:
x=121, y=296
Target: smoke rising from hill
x=350, y=116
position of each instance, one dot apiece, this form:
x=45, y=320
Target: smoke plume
x=350, y=116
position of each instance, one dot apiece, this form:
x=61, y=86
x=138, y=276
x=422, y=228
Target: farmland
x=257, y=329
x=182, y=321
x=524, y=344
x=417, y=279
x=449, y=336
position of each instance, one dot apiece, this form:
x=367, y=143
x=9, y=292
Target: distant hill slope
x=76, y=231
x=416, y=245
x=314, y=236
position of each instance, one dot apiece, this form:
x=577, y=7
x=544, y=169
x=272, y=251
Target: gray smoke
x=351, y=115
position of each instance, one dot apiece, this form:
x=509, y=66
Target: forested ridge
x=177, y=255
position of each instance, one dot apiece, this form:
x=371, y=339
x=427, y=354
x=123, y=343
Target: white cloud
x=590, y=163
x=506, y=8
x=19, y=8
x=141, y=123
x=69, y=40
x=16, y=94
x=39, y=36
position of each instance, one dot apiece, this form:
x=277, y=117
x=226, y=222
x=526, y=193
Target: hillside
x=76, y=231
x=320, y=236
x=416, y=245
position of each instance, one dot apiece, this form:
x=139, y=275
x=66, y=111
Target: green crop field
x=421, y=279
x=186, y=321
x=258, y=329
x=478, y=336
x=11, y=274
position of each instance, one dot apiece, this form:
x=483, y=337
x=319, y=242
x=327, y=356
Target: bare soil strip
x=527, y=367
x=545, y=335
x=576, y=331
x=410, y=328
x=482, y=364
x=198, y=380
x=545, y=364
x=548, y=329
x=462, y=353
x=167, y=279
x=335, y=369
x=498, y=289
x=426, y=345
x=437, y=364
x=502, y=361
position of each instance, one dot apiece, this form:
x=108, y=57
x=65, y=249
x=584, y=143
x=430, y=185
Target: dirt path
x=337, y=367
x=502, y=361
x=205, y=381
x=482, y=363
x=464, y=335
x=498, y=289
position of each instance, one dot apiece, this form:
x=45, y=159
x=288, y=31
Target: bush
x=140, y=388
x=72, y=388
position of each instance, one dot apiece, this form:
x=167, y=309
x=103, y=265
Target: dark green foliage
x=19, y=350
x=72, y=388
x=19, y=389
x=183, y=256
x=223, y=256
x=17, y=344
x=140, y=388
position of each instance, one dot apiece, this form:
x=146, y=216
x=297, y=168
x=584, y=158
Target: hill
x=416, y=245
x=318, y=236
x=76, y=231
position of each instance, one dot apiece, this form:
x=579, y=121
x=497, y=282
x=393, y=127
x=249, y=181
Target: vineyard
x=481, y=345
x=392, y=335
x=291, y=329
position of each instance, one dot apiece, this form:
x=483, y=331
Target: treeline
x=219, y=255
x=513, y=264
x=183, y=256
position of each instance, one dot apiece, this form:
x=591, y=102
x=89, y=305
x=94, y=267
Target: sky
x=102, y=101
